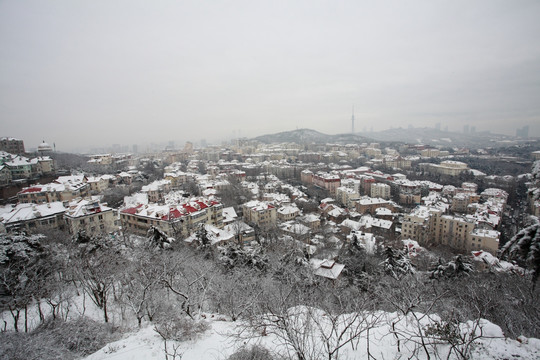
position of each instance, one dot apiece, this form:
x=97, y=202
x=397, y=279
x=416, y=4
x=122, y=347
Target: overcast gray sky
x=78, y=73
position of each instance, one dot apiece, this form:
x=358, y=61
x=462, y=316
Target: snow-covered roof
x=214, y=234
x=327, y=268
x=288, y=209
x=493, y=234
x=170, y=212
x=351, y=224
x=26, y=212
x=229, y=214
x=368, y=221
x=238, y=226
x=83, y=207
x=309, y=218
x=496, y=264
x=294, y=228
x=257, y=205
x=366, y=200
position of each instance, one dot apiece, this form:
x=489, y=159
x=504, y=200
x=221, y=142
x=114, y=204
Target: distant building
x=523, y=132
x=448, y=167
x=12, y=145
x=44, y=148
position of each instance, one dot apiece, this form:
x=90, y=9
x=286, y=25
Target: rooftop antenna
x=352, y=120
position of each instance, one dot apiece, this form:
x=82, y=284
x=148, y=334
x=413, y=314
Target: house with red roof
x=175, y=220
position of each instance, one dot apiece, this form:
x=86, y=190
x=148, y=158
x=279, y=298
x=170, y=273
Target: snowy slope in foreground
x=217, y=342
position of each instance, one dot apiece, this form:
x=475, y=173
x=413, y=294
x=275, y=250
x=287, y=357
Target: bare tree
x=140, y=286
x=189, y=279
x=96, y=263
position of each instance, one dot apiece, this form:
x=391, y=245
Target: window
x=100, y=217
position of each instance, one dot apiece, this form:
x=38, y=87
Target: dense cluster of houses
x=362, y=202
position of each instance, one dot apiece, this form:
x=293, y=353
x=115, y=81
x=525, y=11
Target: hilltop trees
x=524, y=248
x=26, y=266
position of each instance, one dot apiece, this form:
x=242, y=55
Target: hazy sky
x=83, y=73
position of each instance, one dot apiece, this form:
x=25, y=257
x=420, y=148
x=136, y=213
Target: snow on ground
x=217, y=342
x=387, y=331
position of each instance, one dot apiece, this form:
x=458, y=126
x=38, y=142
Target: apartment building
x=429, y=226
x=22, y=167
x=448, y=167
x=174, y=220
x=33, y=217
x=262, y=213
x=65, y=188
x=379, y=190
x=90, y=216
x=287, y=212
x=347, y=196
x=12, y=145
x=327, y=181
x=368, y=205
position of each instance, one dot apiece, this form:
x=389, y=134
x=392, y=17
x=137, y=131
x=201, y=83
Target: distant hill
x=432, y=136
x=308, y=136
x=425, y=136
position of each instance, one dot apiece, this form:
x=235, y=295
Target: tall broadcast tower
x=352, y=120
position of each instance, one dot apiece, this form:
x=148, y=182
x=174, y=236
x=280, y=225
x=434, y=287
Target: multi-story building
x=460, y=202
x=22, y=168
x=379, y=190
x=448, y=167
x=347, y=196
x=262, y=213
x=46, y=165
x=157, y=190
x=5, y=175
x=353, y=184
x=368, y=205
x=90, y=216
x=397, y=162
x=33, y=217
x=306, y=176
x=98, y=184
x=429, y=226
x=481, y=239
x=287, y=212
x=65, y=188
x=430, y=152
x=11, y=145
x=174, y=220
x=327, y=181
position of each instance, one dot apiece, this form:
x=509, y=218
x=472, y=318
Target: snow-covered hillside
x=316, y=334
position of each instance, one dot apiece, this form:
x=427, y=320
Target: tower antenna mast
x=352, y=120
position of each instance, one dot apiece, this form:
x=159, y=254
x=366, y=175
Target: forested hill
x=308, y=136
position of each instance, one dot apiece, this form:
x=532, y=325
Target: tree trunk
x=105, y=315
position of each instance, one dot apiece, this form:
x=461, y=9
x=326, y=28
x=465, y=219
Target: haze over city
x=84, y=74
